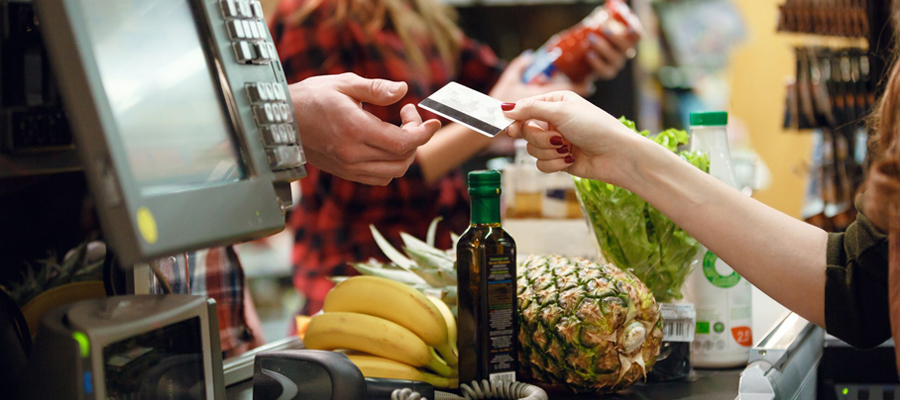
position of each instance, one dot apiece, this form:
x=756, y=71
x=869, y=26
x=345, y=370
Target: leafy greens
x=634, y=235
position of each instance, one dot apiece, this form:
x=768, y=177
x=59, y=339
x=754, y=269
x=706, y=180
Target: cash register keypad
x=248, y=31
x=274, y=115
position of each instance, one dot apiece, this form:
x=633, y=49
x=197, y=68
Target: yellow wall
x=758, y=70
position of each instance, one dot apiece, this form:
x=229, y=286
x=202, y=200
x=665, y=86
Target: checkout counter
x=227, y=144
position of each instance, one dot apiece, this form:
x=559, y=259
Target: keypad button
x=245, y=26
x=235, y=30
x=268, y=135
x=229, y=8
x=287, y=114
x=252, y=28
x=254, y=93
x=279, y=92
x=264, y=114
x=257, y=9
x=291, y=136
x=245, y=9
x=270, y=92
x=243, y=52
x=262, y=52
x=263, y=29
x=272, y=52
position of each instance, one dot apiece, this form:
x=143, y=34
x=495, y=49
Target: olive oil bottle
x=486, y=262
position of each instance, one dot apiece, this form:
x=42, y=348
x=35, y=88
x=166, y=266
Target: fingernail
x=563, y=150
x=591, y=54
x=556, y=141
x=528, y=52
x=570, y=159
x=593, y=38
x=607, y=31
x=631, y=31
x=508, y=106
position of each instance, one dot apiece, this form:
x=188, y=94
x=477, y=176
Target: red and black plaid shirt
x=332, y=221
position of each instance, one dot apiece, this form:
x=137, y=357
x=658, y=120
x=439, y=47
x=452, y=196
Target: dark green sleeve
x=856, y=287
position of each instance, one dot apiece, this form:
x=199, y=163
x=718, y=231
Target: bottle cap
x=717, y=118
x=484, y=183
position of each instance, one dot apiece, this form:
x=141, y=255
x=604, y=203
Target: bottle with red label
x=566, y=52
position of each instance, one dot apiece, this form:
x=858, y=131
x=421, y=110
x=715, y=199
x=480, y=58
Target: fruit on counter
x=395, y=302
x=369, y=334
x=302, y=323
x=380, y=367
x=450, y=320
x=421, y=265
x=587, y=326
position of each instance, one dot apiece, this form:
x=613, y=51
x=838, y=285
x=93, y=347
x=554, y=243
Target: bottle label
x=501, y=312
x=718, y=273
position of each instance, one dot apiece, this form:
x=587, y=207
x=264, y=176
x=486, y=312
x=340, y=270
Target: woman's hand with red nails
x=596, y=141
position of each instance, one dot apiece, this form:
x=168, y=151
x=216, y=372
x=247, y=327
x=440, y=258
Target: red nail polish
x=563, y=150
x=570, y=159
x=508, y=106
x=556, y=141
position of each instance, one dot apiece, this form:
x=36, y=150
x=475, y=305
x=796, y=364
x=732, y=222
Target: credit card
x=469, y=107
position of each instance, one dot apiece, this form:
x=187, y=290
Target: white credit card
x=469, y=107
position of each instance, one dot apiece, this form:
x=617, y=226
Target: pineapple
x=587, y=326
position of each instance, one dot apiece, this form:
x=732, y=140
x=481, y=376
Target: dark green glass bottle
x=486, y=262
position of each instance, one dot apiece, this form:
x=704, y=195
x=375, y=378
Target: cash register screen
x=163, y=94
x=163, y=364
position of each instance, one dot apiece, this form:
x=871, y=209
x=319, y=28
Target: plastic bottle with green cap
x=721, y=297
x=486, y=275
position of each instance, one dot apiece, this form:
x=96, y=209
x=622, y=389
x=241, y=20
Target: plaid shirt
x=332, y=221
x=216, y=273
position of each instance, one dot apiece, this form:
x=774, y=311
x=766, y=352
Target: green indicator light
x=83, y=342
x=257, y=213
x=845, y=391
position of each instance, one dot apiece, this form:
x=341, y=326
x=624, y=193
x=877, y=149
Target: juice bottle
x=566, y=51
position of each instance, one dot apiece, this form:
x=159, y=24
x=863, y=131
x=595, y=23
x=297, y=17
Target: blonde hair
x=885, y=120
x=413, y=21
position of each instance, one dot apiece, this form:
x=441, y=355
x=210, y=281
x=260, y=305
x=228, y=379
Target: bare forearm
x=782, y=256
x=453, y=145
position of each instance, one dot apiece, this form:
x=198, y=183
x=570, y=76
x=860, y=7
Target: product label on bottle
x=678, y=322
x=501, y=296
x=718, y=273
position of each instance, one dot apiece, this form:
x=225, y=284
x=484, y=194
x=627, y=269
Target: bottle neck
x=709, y=139
x=486, y=210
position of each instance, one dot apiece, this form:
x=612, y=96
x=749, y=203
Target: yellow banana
x=369, y=334
x=379, y=367
x=449, y=319
x=395, y=302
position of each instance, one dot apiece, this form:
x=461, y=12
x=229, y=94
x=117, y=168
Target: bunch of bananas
x=390, y=331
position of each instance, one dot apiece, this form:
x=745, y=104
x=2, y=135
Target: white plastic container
x=722, y=298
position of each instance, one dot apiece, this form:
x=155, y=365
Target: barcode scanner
x=321, y=375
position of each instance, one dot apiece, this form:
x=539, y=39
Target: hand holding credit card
x=468, y=107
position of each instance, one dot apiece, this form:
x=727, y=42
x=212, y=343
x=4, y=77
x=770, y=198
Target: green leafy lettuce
x=634, y=235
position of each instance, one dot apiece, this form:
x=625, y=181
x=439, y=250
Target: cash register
x=182, y=122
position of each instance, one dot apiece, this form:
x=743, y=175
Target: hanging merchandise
x=832, y=93
x=721, y=296
x=827, y=18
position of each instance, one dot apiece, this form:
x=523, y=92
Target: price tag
x=679, y=320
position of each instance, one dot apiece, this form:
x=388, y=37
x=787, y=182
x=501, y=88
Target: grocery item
x=369, y=334
x=450, y=320
x=486, y=263
x=395, y=302
x=527, y=184
x=635, y=236
x=721, y=296
x=566, y=51
x=380, y=367
x=587, y=326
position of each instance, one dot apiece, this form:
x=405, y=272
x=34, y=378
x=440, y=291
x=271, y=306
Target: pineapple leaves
x=374, y=269
x=392, y=254
x=432, y=231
